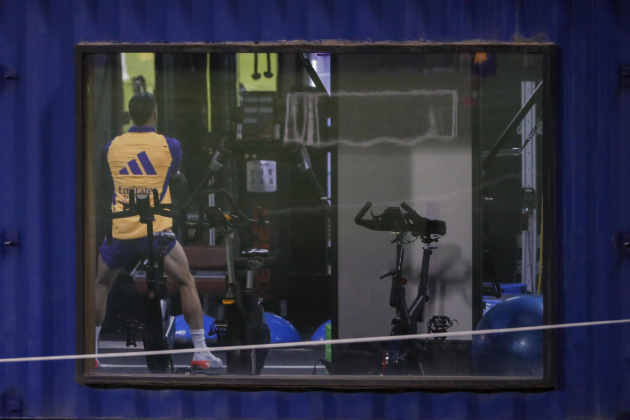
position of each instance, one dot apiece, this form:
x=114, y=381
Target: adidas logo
x=135, y=167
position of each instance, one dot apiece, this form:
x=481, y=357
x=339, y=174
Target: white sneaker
x=206, y=360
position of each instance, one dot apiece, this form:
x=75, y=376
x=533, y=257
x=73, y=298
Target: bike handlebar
x=241, y=219
x=140, y=205
x=408, y=209
x=358, y=219
x=393, y=219
x=135, y=208
x=429, y=226
x=238, y=219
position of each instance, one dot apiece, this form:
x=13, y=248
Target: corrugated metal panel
x=37, y=314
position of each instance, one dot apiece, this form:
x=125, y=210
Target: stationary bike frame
x=245, y=314
x=407, y=317
x=158, y=330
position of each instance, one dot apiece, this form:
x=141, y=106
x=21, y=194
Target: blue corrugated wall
x=37, y=291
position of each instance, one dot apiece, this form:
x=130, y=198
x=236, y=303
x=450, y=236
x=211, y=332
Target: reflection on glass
x=296, y=197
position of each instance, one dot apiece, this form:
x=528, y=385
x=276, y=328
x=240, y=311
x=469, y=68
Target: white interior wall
x=433, y=176
x=436, y=182
x=442, y=189
x=379, y=175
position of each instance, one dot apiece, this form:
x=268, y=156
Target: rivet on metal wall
x=622, y=241
x=8, y=78
x=624, y=76
x=10, y=240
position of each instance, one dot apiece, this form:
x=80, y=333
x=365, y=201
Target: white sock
x=199, y=341
x=98, y=331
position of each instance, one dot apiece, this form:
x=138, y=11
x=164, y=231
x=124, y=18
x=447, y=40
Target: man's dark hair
x=141, y=107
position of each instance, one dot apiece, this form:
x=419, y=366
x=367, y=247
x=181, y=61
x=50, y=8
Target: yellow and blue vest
x=141, y=160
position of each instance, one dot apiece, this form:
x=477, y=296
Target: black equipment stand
x=158, y=330
x=403, y=357
x=244, y=322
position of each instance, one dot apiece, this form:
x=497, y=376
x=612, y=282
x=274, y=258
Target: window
x=316, y=192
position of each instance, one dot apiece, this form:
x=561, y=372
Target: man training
x=142, y=160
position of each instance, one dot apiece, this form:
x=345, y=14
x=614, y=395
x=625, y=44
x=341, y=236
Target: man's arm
x=176, y=153
x=106, y=175
x=175, y=178
x=106, y=196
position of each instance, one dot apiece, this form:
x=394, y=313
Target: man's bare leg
x=105, y=278
x=177, y=268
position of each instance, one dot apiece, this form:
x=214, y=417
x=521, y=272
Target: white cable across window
x=315, y=343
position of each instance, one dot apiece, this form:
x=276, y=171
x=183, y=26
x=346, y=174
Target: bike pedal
x=220, y=329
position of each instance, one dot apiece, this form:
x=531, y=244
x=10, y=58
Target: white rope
x=314, y=343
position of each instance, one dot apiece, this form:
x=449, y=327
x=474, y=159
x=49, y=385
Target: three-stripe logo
x=135, y=168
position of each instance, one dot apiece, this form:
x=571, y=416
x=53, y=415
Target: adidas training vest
x=141, y=160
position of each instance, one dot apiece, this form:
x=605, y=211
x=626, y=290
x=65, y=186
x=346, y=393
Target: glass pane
x=315, y=196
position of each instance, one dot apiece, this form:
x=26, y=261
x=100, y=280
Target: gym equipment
x=529, y=194
x=244, y=321
x=440, y=324
x=319, y=85
x=247, y=157
x=256, y=75
x=182, y=330
x=403, y=356
x=510, y=354
x=158, y=331
x=281, y=330
x=303, y=162
x=320, y=333
x=264, y=174
x=216, y=163
x=268, y=73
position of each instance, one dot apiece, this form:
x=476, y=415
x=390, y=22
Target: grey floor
x=279, y=361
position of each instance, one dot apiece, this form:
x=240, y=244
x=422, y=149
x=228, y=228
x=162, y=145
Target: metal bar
x=249, y=283
x=529, y=237
x=229, y=254
x=312, y=73
x=511, y=127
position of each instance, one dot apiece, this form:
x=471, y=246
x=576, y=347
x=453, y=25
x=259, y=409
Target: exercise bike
x=403, y=356
x=158, y=329
x=244, y=322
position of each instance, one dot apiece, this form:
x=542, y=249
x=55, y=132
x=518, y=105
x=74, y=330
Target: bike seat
x=256, y=252
x=164, y=238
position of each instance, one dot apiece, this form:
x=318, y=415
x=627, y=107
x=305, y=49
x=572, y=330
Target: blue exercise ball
x=182, y=331
x=281, y=330
x=320, y=332
x=510, y=354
